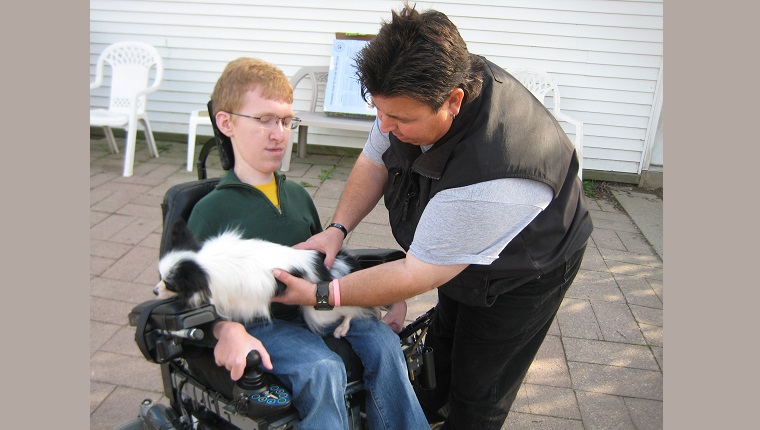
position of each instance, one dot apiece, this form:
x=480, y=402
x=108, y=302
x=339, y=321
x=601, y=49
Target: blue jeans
x=317, y=376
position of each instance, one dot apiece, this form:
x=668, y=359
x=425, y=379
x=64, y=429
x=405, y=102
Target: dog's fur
x=235, y=275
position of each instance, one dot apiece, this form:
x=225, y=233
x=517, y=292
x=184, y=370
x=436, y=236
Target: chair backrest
x=178, y=202
x=130, y=63
x=539, y=83
x=317, y=75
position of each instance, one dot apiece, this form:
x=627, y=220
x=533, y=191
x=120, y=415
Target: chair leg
x=191, y=131
x=129, y=150
x=149, y=137
x=111, y=141
x=286, y=159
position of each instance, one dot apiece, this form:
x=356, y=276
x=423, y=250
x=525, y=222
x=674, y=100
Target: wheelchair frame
x=178, y=338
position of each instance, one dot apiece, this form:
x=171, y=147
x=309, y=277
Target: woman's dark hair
x=421, y=56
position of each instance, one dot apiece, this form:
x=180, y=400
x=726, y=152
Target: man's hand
x=234, y=344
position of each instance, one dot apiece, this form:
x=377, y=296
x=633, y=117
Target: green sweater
x=234, y=204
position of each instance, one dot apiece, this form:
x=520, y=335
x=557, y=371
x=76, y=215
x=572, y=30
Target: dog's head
x=179, y=270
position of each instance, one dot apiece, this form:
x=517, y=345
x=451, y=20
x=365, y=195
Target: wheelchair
x=178, y=338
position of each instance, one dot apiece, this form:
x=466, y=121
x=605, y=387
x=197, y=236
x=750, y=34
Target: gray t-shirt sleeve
x=473, y=224
x=377, y=143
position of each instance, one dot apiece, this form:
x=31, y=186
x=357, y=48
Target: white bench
x=315, y=116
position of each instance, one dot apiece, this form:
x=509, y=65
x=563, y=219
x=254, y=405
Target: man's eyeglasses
x=270, y=121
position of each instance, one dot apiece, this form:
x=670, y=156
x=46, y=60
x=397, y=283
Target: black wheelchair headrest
x=178, y=202
x=223, y=143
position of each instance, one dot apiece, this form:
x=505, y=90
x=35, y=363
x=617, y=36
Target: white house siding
x=605, y=55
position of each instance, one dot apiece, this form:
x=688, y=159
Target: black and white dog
x=235, y=275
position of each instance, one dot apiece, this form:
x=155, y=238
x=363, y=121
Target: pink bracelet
x=336, y=291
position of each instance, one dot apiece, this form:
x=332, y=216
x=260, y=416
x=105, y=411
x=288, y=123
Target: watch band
x=339, y=227
x=323, y=293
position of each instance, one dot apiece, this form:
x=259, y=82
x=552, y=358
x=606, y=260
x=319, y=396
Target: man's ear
x=224, y=123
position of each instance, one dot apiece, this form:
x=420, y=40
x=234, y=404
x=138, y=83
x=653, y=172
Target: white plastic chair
x=540, y=84
x=197, y=118
x=130, y=63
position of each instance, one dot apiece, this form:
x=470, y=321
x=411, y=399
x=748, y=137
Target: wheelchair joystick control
x=253, y=377
x=254, y=394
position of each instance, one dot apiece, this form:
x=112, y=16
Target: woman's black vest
x=503, y=133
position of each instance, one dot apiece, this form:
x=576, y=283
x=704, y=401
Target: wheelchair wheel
x=135, y=424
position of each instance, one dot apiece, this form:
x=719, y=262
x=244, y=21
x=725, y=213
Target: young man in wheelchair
x=252, y=106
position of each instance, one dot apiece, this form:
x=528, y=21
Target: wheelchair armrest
x=373, y=257
x=163, y=326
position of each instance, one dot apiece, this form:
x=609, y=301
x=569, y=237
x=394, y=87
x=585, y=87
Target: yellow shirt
x=270, y=190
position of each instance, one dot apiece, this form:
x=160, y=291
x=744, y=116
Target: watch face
x=323, y=291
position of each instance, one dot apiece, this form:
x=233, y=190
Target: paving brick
x=549, y=366
x=135, y=232
x=123, y=291
x=150, y=201
x=98, y=393
x=97, y=195
x=123, y=342
x=656, y=285
x=635, y=242
x=522, y=421
x=601, y=411
x=610, y=214
x=129, y=267
x=617, y=322
x=121, y=405
x=552, y=401
x=609, y=239
x=110, y=226
x=617, y=381
x=521, y=404
x=358, y=240
x=100, y=332
x=109, y=310
x=652, y=334
x=646, y=315
x=153, y=240
x=576, y=319
x=638, y=291
x=657, y=351
x=610, y=353
x=374, y=229
x=100, y=178
x=121, y=370
x=595, y=285
x=141, y=211
x=96, y=217
x=98, y=265
x=107, y=249
x=629, y=269
x=649, y=259
x=619, y=225
x=646, y=414
x=330, y=189
x=592, y=260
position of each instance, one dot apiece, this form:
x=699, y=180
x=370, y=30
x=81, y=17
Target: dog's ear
x=182, y=237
